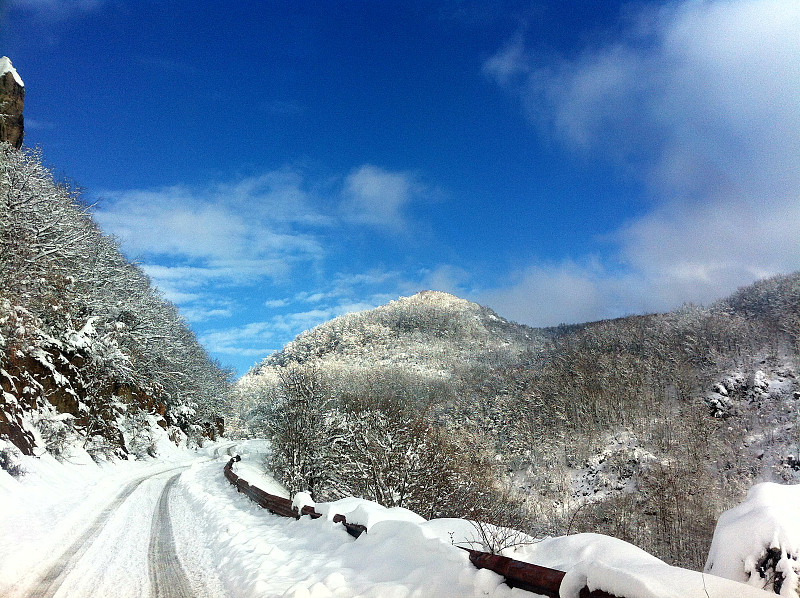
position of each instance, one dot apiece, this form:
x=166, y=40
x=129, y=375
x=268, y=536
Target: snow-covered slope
x=645, y=427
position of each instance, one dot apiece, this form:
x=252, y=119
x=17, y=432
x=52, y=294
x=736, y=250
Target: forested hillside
x=645, y=428
x=90, y=352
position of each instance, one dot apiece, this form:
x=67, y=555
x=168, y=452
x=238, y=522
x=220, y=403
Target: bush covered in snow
x=758, y=541
x=10, y=459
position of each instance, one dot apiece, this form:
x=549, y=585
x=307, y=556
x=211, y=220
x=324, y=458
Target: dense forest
x=645, y=428
x=90, y=352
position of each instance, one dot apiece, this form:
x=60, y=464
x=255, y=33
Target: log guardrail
x=282, y=506
x=518, y=574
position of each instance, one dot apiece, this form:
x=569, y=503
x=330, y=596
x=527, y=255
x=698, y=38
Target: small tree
x=296, y=426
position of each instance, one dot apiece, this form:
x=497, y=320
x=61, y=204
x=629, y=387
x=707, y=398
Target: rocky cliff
x=12, y=101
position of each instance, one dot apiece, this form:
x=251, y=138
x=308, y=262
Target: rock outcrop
x=12, y=101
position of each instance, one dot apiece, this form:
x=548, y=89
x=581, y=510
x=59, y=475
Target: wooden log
x=527, y=576
x=354, y=529
x=232, y=477
x=309, y=510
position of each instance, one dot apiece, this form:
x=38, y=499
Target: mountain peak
x=438, y=298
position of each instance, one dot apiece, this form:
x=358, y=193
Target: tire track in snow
x=49, y=583
x=167, y=577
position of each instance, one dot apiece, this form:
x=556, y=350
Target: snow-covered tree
x=82, y=330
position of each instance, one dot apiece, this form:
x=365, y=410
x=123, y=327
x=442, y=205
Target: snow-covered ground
x=175, y=527
x=81, y=529
x=77, y=528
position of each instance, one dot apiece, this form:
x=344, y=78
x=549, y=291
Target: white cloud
x=702, y=100
x=210, y=250
x=32, y=124
x=508, y=64
x=250, y=340
x=255, y=338
x=200, y=314
x=276, y=303
x=553, y=294
x=377, y=197
x=238, y=232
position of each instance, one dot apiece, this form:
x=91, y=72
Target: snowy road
x=94, y=539
x=74, y=572
x=176, y=529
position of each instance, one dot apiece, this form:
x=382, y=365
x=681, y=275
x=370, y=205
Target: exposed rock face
x=12, y=101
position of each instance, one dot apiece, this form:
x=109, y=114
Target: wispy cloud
x=255, y=339
x=33, y=124
x=702, y=101
x=547, y=295
x=377, y=197
x=259, y=339
x=510, y=63
x=237, y=232
x=210, y=249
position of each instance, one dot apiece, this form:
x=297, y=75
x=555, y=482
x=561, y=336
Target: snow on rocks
x=7, y=67
x=758, y=541
x=613, y=470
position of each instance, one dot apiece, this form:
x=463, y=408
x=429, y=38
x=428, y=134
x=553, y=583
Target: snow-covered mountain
x=645, y=428
x=430, y=331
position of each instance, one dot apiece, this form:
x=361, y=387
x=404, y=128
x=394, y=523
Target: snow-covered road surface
x=97, y=531
x=174, y=528
x=167, y=576
x=73, y=568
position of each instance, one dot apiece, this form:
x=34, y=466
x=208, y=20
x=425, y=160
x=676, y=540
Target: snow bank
x=6, y=67
x=604, y=563
x=406, y=555
x=365, y=512
x=266, y=555
x=758, y=541
x=253, y=454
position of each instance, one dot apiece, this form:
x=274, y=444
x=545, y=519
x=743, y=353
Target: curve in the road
x=167, y=577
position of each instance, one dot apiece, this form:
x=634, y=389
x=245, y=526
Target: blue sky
x=274, y=164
